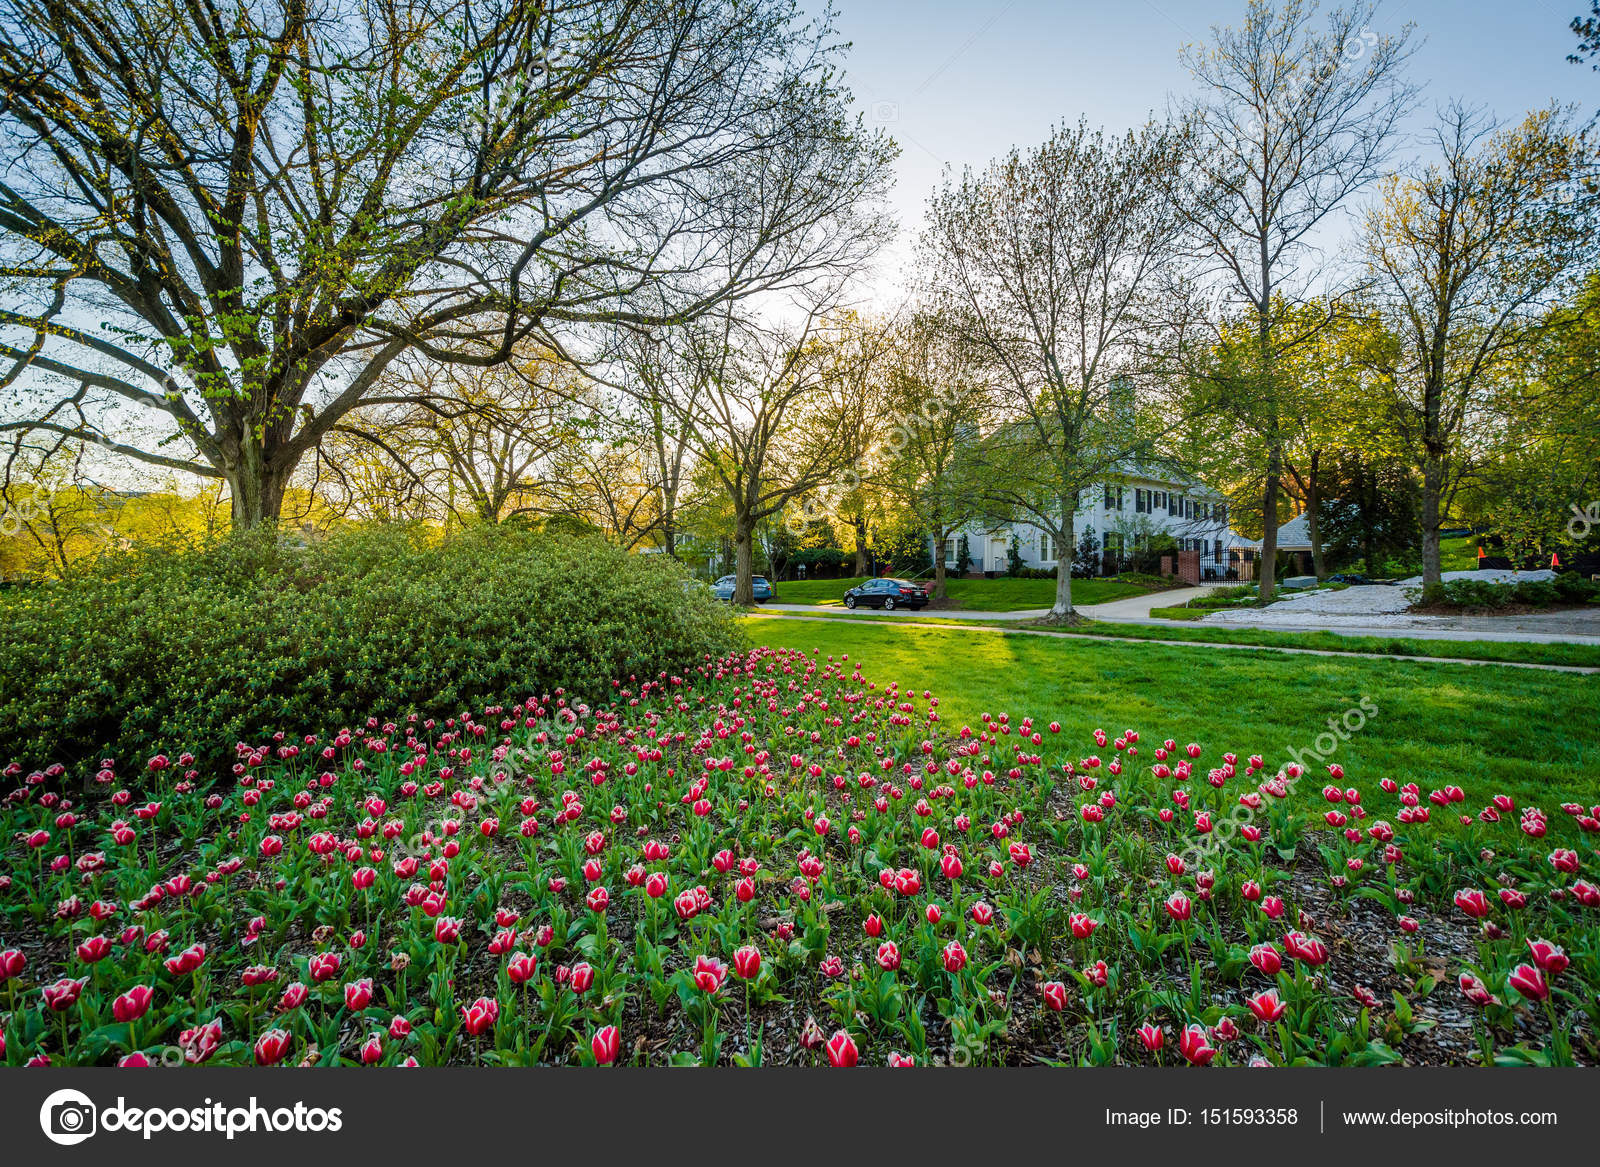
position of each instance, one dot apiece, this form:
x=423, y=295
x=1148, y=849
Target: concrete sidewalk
x=1536, y=628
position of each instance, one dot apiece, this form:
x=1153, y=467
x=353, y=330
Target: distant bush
x=198, y=650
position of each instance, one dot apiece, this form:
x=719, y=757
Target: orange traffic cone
x=1480, y=550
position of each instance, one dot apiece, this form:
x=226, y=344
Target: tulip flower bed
x=776, y=860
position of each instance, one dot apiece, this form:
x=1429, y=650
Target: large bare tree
x=1471, y=254
x=1054, y=268
x=930, y=463
x=764, y=419
x=1290, y=119
x=219, y=225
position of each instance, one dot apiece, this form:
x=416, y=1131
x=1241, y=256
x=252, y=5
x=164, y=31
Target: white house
x=1125, y=515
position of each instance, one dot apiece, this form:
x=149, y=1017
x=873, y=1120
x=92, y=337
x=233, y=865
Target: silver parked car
x=723, y=588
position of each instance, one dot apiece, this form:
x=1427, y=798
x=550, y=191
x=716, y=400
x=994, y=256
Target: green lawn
x=979, y=595
x=1459, y=554
x=1521, y=652
x=1527, y=733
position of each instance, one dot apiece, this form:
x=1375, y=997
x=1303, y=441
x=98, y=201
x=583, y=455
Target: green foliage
x=1568, y=588
x=254, y=633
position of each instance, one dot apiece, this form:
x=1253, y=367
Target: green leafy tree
x=267, y=204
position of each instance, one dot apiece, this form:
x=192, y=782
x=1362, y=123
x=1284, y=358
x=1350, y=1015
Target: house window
x=1141, y=501
x=1217, y=553
x=1044, y=549
x=1222, y=512
x=949, y=550
x=1174, y=505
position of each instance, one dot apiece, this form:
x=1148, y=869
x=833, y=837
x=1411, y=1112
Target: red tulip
x=842, y=1050
x=324, y=966
x=955, y=957
x=1548, y=957
x=888, y=956
x=604, y=1044
x=1473, y=902
x=447, y=929
x=358, y=994
x=1530, y=982
x=1195, y=1046
x=747, y=962
x=1153, y=1037
x=95, y=948
x=1266, y=959
x=1266, y=1005
x=1082, y=925
x=1178, y=906
x=599, y=899
x=582, y=977
x=64, y=993
x=271, y=1046
x=1474, y=990
x=480, y=1016
x=1055, y=995
x=12, y=962
x=133, y=1004
x=199, y=1043
x=1305, y=948
x=521, y=967
x=708, y=973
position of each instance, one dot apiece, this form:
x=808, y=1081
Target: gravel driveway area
x=1384, y=608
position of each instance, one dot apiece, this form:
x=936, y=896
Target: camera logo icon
x=67, y=1117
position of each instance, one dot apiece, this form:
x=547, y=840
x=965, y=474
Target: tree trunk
x=744, y=561
x=1269, y=525
x=861, y=544
x=1367, y=489
x=1432, y=494
x=939, y=591
x=257, y=488
x=1313, y=519
x=1061, y=610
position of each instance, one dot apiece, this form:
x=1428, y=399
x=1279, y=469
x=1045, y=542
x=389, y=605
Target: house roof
x=1295, y=535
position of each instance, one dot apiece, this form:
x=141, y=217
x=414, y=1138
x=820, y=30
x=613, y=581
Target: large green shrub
x=201, y=649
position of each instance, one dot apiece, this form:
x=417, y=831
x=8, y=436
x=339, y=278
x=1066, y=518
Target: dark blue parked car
x=887, y=594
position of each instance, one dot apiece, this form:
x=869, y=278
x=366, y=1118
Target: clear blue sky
x=958, y=83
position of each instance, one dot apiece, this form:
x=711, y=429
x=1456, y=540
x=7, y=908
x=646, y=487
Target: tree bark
x=940, y=591
x=1269, y=527
x=860, y=526
x=1061, y=610
x=1313, y=517
x=744, y=593
x=1367, y=488
x=1432, y=494
x=256, y=487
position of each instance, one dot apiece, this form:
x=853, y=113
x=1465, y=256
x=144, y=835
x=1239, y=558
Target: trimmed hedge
x=1565, y=588
x=197, y=650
